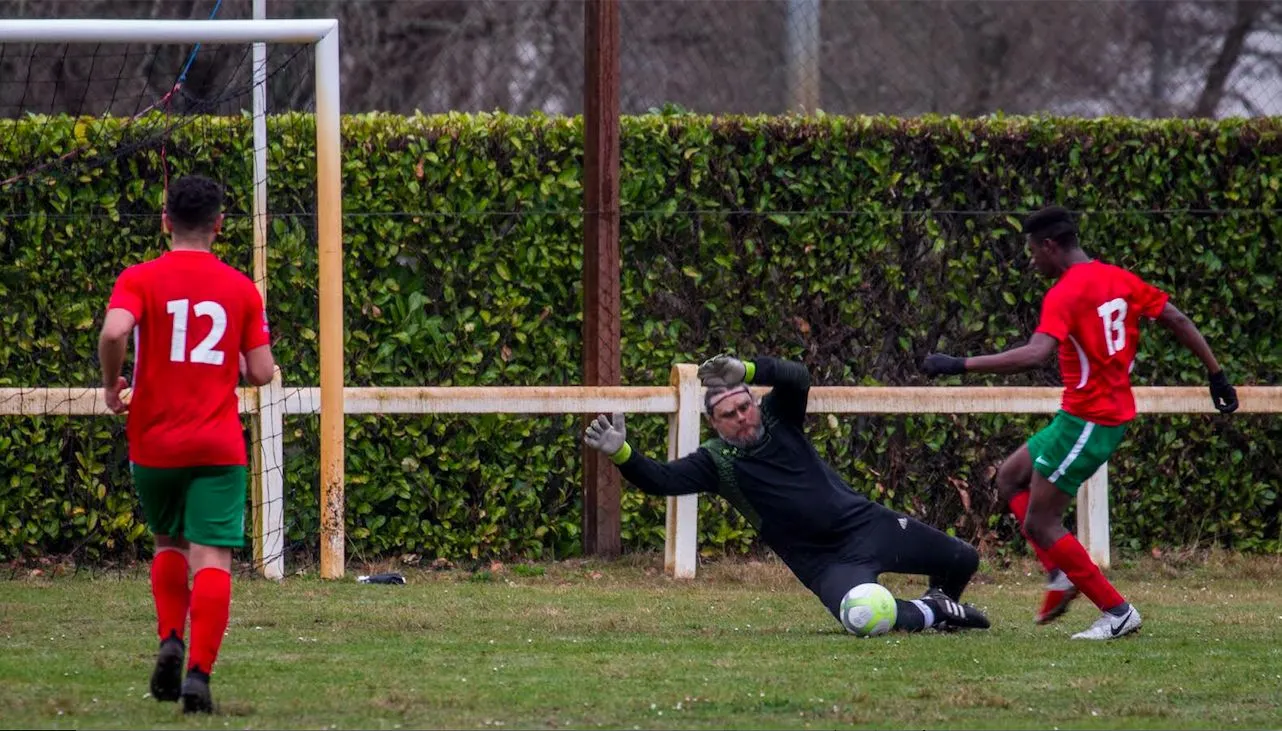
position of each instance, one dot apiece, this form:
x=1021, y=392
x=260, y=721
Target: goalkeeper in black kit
x=831, y=537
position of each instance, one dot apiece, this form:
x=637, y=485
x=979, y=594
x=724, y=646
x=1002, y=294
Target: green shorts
x=1070, y=450
x=205, y=505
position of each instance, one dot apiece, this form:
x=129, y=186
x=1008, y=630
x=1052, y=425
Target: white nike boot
x=1108, y=627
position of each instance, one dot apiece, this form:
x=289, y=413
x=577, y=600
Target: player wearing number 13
x=1092, y=315
x=197, y=323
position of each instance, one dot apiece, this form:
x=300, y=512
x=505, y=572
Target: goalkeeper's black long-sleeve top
x=798, y=504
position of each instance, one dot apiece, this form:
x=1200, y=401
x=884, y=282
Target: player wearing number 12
x=1092, y=315
x=197, y=324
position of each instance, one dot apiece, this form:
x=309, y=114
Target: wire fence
x=965, y=57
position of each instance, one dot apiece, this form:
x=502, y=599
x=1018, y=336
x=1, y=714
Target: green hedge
x=854, y=244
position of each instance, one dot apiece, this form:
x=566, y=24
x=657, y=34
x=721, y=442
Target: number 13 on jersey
x=1113, y=313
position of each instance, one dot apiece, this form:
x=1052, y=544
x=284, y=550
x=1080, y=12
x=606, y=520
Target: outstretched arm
x=1188, y=335
x=1223, y=395
x=1052, y=329
x=790, y=392
x=1025, y=357
x=687, y=475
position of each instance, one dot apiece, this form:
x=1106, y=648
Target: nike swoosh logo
x=1116, y=629
x=1039, y=460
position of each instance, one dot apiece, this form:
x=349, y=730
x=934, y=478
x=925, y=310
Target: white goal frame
x=268, y=479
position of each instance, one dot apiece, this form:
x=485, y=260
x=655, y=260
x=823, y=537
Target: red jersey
x=195, y=316
x=1094, y=311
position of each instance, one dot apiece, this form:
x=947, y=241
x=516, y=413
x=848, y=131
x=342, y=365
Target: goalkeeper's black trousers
x=893, y=543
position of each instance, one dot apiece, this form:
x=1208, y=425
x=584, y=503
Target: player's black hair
x=1053, y=222
x=193, y=203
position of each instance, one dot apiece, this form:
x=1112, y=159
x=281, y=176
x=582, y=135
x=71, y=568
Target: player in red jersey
x=1091, y=315
x=198, y=324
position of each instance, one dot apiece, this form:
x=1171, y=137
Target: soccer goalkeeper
x=831, y=537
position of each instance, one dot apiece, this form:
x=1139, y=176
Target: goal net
x=96, y=119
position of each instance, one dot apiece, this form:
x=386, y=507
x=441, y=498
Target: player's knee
x=968, y=560
x=1041, y=527
x=175, y=543
x=1009, y=481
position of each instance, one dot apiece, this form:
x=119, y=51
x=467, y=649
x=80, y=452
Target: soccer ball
x=868, y=610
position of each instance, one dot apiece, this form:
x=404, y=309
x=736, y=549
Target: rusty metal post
x=601, y=360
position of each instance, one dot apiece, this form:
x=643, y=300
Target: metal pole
x=602, y=511
x=329, y=227
x=260, y=156
x=802, y=55
x=266, y=513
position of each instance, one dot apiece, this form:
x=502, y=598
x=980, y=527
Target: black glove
x=1223, y=395
x=388, y=578
x=938, y=364
x=724, y=371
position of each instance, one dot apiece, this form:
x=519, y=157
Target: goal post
x=323, y=35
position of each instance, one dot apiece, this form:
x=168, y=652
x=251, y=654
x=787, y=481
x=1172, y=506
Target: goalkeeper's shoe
x=951, y=615
x=1110, y=627
x=1060, y=593
x=195, y=693
x=166, y=679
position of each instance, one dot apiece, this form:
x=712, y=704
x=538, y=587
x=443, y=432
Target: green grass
x=619, y=645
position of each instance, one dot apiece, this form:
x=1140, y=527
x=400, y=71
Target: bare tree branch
x=1245, y=15
x=1252, y=109
x=969, y=57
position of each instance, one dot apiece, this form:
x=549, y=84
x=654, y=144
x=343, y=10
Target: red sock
x=1070, y=556
x=1019, y=506
x=169, y=589
x=210, y=607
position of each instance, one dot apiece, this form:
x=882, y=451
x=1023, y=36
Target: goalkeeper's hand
x=608, y=436
x=1223, y=395
x=938, y=364
x=722, y=371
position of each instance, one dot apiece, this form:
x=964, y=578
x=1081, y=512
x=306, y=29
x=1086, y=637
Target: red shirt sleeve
x=1055, y=315
x=127, y=294
x=254, y=332
x=1147, y=299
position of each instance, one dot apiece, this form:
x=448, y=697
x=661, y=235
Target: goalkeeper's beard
x=753, y=438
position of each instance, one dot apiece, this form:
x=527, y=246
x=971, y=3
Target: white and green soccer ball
x=868, y=610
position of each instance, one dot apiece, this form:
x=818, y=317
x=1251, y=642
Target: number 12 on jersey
x=205, y=351
x=1113, y=313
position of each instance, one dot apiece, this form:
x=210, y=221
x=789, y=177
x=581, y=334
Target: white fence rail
x=681, y=401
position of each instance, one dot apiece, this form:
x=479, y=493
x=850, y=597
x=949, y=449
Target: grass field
x=619, y=645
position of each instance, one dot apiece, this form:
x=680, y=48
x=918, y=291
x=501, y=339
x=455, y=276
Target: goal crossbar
x=86, y=30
